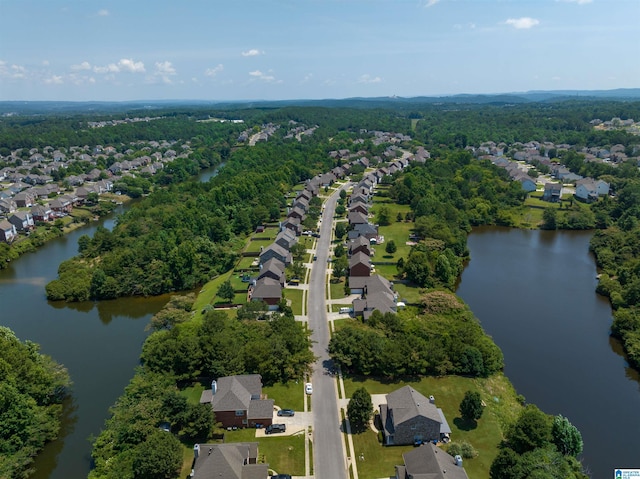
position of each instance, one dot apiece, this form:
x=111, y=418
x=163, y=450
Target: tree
x=359, y=410
x=341, y=230
x=298, y=251
x=339, y=250
x=343, y=194
x=391, y=247
x=399, y=217
x=531, y=430
x=340, y=267
x=471, y=406
x=549, y=219
x=159, y=457
x=566, y=436
x=226, y=292
x=384, y=216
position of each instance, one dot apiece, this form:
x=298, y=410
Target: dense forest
x=33, y=388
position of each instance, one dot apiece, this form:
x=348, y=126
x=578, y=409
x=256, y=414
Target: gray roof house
x=552, y=192
x=273, y=269
x=408, y=417
x=286, y=238
x=357, y=218
x=22, y=220
x=274, y=250
x=268, y=290
x=228, y=461
x=238, y=401
x=430, y=462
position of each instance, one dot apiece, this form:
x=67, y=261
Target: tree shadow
x=464, y=424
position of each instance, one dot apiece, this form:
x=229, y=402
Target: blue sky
x=289, y=49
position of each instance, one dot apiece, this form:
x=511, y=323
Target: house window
x=240, y=412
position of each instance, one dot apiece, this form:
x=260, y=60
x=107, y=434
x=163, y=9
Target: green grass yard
x=286, y=396
x=337, y=290
x=501, y=409
x=295, y=295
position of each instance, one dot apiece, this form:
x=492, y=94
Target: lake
x=534, y=293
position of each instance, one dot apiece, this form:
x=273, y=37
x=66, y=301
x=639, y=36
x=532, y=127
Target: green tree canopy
x=471, y=406
x=359, y=410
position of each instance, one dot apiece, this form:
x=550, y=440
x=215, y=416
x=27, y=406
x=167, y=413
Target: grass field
x=372, y=460
x=399, y=233
x=337, y=290
x=246, y=263
x=410, y=294
x=501, y=409
x=295, y=295
x=284, y=454
x=286, y=396
x=255, y=245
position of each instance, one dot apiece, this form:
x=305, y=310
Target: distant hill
x=105, y=107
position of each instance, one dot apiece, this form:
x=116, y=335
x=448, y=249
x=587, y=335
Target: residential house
x=367, y=230
x=41, y=213
x=357, y=218
x=273, y=269
x=8, y=206
x=359, y=265
x=359, y=244
x=22, y=220
x=274, y=250
x=228, y=461
x=7, y=231
x=430, y=461
x=238, y=401
x=286, y=238
x=377, y=295
x=296, y=213
x=552, y=192
x=409, y=417
x=24, y=199
x=528, y=184
x=268, y=290
x=589, y=189
x=292, y=224
x=61, y=205
x=360, y=208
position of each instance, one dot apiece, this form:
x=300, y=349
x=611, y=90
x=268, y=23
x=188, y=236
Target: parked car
x=281, y=476
x=286, y=412
x=308, y=388
x=274, y=428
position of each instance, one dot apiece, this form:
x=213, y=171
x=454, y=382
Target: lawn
x=397, y=232
x=295, y=295
x=337, y=290
x=246, y=263
x=284, y=454
x=208, y=293
x=371, y=463
x=389, y=271
x=408, y=294
x=501, y=409
x=255, y=245
x=193, y=393
x=286, y=396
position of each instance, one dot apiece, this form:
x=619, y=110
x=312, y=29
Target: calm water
x=99, y=343
x=534, y=292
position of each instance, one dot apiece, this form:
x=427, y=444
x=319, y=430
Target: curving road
x=328, y=451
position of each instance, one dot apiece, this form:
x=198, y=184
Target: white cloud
x=522, y=22
x=12, y=71
x=130, y=65
x=307, y=78
x=212, y=72
x=430, y=3
x=103, y=13
x=125, y=64
x=164, y=70
x=53, y=80
x=579, y=2
x=45, y=63
x=264, y=77
x=81, y=66
x=252, y=53
x=366, y=78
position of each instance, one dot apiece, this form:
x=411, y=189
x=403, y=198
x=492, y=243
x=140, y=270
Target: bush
x=464, y=449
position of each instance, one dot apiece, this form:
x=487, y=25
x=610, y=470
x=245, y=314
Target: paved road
x=328, y=455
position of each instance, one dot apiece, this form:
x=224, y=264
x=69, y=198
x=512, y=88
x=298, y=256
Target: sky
x=220, y=50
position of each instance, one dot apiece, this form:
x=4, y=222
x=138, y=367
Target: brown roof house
x=360, y=244
x=359, y=265
x=408, y=417
x=228, y=461
x=430, y=462
x=237, y=401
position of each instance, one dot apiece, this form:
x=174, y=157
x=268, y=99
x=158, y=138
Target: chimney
x=432, y=400
x=196, y=450
x=458, y=460
x=214, y=387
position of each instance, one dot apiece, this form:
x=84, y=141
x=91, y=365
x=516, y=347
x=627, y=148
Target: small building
x=268, y=290
x=7, y=231
x=359, y=265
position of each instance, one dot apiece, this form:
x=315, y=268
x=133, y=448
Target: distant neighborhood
x=42, y=185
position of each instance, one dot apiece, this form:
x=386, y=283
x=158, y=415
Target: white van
x=345, y=310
